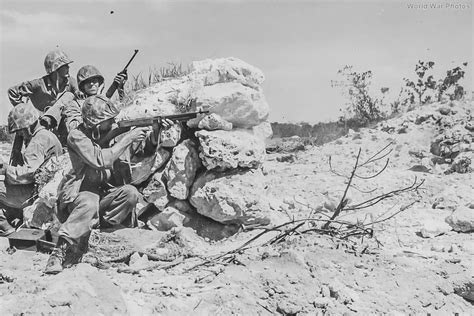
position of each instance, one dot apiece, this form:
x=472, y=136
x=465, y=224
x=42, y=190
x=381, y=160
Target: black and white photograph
x=236, y=157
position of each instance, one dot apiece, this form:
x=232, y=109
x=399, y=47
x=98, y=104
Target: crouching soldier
x=96, y=188
x=18, y=184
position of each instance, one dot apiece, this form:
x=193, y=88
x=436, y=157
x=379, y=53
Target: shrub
x=450, y=84
x=355, y=86
x=417, y=90
x=426, y=87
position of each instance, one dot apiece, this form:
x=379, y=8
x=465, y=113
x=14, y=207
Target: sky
x=299, y=45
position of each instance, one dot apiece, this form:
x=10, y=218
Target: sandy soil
x=396, y=272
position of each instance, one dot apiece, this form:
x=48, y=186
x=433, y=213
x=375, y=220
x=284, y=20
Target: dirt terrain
x=413, y=264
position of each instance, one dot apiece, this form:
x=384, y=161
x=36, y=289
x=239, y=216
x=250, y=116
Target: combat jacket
x=42, y=146
x=66, y=115
x=42, y=93
x=93, y=166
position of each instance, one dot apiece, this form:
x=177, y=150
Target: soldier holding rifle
x=91, y=82
x=97, y=190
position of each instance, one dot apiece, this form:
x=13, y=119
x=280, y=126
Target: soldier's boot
x=5, y=227
x=57, y=257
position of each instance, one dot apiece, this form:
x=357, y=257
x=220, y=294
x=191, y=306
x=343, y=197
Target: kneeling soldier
x=95, y=190
x=40, y=144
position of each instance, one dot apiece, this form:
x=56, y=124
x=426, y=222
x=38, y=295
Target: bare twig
x=343, y=201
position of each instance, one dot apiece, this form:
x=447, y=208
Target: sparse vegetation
x=427, y=89
x=361, y=104
x=317, y=134
x=155, y=75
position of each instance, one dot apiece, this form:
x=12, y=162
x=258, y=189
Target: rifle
x=114, y=86
x=16, y=158
x=154, y=121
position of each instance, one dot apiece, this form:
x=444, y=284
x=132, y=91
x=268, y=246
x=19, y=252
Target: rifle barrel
x=131, y=59
x=148, y=121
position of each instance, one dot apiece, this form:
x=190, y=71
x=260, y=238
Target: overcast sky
x=299, y=45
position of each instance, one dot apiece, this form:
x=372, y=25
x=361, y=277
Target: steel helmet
x=88, y=72
x=54, y=60
x=96, y=109
x=22, y=116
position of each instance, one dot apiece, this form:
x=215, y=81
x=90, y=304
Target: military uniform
x=95, y=189
x=45, y=92
x=97, y=186
x=16, y=189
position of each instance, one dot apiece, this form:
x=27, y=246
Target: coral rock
x=181, y=169
x=230, y=149
x=232, y=197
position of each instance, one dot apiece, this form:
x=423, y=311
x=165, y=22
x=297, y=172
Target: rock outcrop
x=215, y=157
x=181, y=169
x=232, y=197
x=230, y=149
x=462, y=219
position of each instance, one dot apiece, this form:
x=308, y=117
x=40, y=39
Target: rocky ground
x=416, y=262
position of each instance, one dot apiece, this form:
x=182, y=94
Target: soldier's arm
x=101, y=158
x=72, y=115
x=18, y=92
x=73, y=88
x=55, y=111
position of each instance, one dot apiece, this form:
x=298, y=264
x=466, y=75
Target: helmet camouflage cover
x=96, y=109
x=54, y=60
x=22, y=116
x=88, y=72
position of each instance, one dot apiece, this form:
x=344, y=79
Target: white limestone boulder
x=163, y=98
x=228, y=87
x=181, y=169
x=155, y=192
x=462, y=219
x=170, y=136
x=236, y=197
x=214, y=122
x=263, y=131
x=433, y=227
x=242, y=106
x=228, y=70
x=164, y=221
x=230, y=149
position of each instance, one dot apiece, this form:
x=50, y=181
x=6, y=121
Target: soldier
x=44, y=93
x=96, y=188
x=18, y=185
x=91, y=82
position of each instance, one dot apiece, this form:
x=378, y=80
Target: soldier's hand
x=166, y=123
x=138, y=134
x=121, y=78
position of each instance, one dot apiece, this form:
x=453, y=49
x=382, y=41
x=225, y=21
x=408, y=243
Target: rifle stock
x=16, y=157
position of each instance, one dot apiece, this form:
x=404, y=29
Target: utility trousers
x=116, y=207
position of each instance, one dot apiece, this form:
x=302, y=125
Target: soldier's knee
x=87, y=200
x=131, y=193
